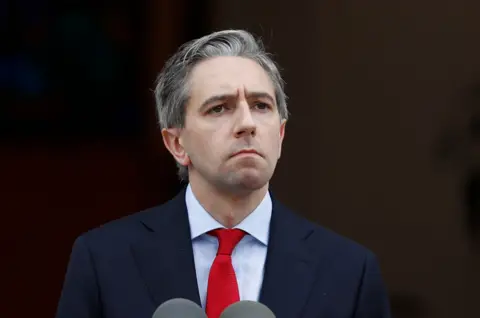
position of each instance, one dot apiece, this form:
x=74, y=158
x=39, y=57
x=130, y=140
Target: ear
x=173, y=142
x=283, y=123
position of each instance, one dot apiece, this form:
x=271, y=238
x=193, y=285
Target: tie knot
x=227, y=239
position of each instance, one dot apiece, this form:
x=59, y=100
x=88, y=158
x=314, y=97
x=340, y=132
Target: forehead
x=225, y=75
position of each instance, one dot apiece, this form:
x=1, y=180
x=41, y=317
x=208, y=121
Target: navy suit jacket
x=128, y=267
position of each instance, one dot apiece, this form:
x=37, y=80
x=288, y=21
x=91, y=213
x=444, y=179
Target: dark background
x=384, y=136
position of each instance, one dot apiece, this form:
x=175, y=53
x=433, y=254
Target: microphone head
x=247, y=309
x=179, y=307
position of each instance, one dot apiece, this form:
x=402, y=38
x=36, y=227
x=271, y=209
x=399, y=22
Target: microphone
x=179, y=308
x=247, y=309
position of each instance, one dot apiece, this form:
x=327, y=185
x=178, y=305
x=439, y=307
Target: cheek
x=206, y=146
x=217, y=147
x=275, y=144
x=217, y=139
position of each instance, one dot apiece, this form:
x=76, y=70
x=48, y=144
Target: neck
x=226, y=207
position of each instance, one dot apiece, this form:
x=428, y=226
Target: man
x=222, y=109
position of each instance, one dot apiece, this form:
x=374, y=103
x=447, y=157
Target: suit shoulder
x=326, y=240
x=341, y=241
x=122, y=229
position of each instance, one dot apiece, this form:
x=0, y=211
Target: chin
x=249, y=180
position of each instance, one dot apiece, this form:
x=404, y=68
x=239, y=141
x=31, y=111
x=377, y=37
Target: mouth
x=247, y=152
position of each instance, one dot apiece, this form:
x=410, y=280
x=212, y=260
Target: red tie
x=222, y=288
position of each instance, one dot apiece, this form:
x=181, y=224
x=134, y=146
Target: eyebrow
x=222, y=97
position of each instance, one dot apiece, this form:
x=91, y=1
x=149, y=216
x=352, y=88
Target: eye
x=218, y=109
x=262, y=106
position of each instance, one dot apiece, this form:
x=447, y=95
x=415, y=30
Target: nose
x=245, y=124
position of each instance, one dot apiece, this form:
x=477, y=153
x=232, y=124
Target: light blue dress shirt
x=248, y=257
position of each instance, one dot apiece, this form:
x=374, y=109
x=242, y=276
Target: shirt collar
x=257, y=223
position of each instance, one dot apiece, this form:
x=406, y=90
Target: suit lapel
x=165, y=257
x=289, y=268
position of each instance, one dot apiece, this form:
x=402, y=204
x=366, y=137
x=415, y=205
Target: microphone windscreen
x=179, y=308
x=247, y=308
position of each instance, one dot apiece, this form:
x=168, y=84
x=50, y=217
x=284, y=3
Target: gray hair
x=172, y=93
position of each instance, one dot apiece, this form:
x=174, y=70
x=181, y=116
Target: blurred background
x=384, y=136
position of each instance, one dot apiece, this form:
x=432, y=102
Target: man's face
x=233, y=133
